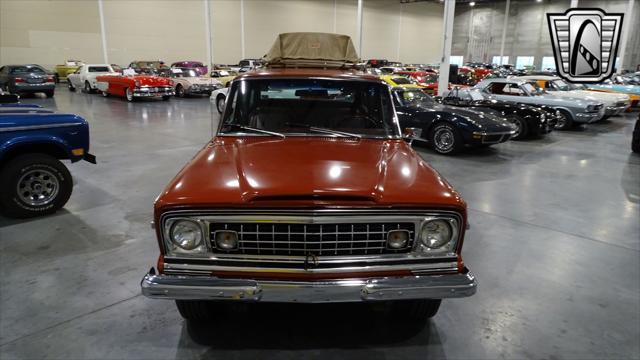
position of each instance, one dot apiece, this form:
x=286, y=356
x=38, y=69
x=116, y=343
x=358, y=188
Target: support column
x=574, y=3
x=449, y=11
x=504, y=31
x=399, y=41
x=103, y=34
x=359, y=20
x=242, y=28
x=335, y=15
x=625, y=36
x=207, y=24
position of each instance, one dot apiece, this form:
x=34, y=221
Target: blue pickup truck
x=33, y=140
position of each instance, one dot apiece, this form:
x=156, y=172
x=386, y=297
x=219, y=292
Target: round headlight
x=186, y=234
x=435, y=234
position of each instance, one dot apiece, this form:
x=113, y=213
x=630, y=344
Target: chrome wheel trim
x=70, y=85
x=129, y=94
x=518, y=124
x=444, y=139
x=220, y=105
x=105, y=94
x=87, y=87
x=38, y=187
x=180, y=91
x=562, y=121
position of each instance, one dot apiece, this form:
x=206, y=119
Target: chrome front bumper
x=348, y=290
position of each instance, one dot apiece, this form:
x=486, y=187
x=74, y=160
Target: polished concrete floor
x=554, y=242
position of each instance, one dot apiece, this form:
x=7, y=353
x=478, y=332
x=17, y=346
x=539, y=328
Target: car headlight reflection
x=186, y=234
x=437, y=236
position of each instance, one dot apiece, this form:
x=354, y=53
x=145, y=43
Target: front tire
x=87, y=87
x=129, y=95
x=445, y=139
x=70, y=86
x=196, y=310
x=105, y=94
x=415, y=310
x=33, y=185
x=522, y=130
x=179, y=91
x=564, y=120
x=220, y=103
x=49, y=93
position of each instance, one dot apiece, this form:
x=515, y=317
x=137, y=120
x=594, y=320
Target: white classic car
x=614, y=104
x=219, y=97
x=85, y=76
x=189, y=82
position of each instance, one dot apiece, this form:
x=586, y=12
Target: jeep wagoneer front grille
x=318, y=239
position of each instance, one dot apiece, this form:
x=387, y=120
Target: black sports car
x=448, y=129
x=531, y=121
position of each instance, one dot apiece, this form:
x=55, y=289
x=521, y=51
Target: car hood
x=606, y=98
x=483, y=119
x=308, y=171
x=200, y=80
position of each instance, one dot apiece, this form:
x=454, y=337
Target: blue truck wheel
x=33, y=185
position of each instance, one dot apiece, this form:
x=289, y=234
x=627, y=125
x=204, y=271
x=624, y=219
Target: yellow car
x=400, y=81
x=224, y=76
x=69, y=67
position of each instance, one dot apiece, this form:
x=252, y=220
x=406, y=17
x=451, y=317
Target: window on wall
x=496, y=60
x=522, y=61
x=548, y=63
x=457, y=60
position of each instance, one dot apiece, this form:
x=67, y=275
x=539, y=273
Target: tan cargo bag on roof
x=305, y=49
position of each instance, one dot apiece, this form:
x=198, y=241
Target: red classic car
x=309, y=193
x=135, y=86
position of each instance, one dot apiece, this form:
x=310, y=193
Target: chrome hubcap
x=518, y=128
x=220, y=105
x=444, y=139
x=129, y=95
x=38, y=187
x=562, y=120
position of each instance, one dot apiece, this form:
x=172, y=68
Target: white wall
x=48, y=32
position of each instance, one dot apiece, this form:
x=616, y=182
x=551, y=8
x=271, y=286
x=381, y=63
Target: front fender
x=30, y=141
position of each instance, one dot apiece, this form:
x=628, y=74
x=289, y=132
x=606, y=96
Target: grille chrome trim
x=315, y=216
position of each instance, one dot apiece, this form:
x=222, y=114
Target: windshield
x=292, y=106
x=577, y=86
x=560, y=85
x=26, y=70
x=412, y=97
x=149, y=64
x=533, y=88
x=178, y=72
x=401, y=80
x=99, y=69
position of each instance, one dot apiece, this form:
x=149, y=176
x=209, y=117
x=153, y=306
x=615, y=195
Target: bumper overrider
x=153, y=91
x=177, y=287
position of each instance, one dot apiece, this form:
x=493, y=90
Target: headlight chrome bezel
x=449, y=248
x=174, y=249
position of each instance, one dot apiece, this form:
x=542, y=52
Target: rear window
x=26, y=70
x=99, y=69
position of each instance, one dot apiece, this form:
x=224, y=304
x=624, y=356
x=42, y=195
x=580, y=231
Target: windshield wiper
x=324, y=130
x=247, y=128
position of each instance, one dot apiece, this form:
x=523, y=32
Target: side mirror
x=410, y=134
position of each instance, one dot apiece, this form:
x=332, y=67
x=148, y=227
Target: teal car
x=611, y=86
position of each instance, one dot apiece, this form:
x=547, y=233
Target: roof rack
x=312, y=50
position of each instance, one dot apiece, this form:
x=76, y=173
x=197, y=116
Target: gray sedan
x=571, y=110
x=26, y=79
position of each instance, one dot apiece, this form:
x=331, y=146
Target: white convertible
x=85, y=76
x=614, y=104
